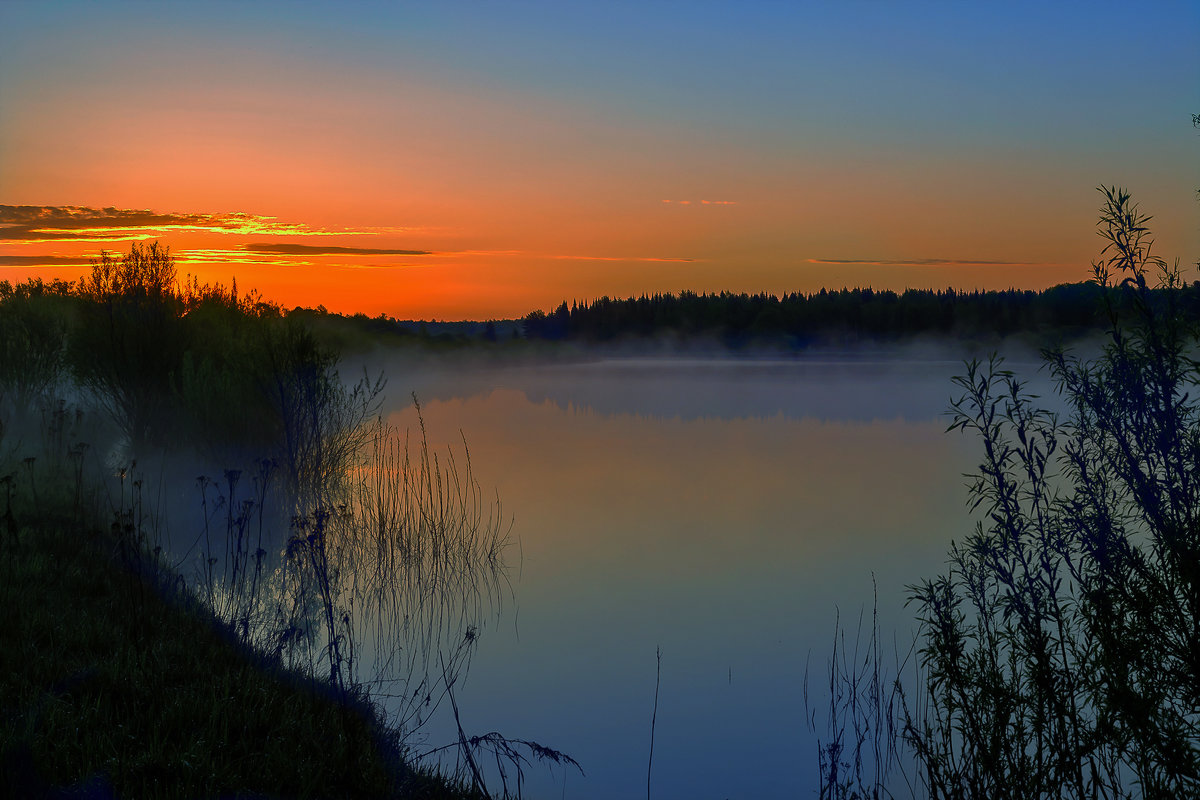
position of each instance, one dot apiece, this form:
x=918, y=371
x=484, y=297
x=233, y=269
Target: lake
x=726, y=511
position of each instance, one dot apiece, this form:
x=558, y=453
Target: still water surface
x=725, y=511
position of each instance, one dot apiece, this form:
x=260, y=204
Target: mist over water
x=725, y=510
x=728, y=510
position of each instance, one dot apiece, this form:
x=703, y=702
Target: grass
x=116, y=685
x=299, y=660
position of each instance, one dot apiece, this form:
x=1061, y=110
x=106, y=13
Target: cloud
x=232, y=256
x=924, y=262
x=625, y=258
x=321, y=250
x=43, y=261
x=289, y=258
x=81, y=223
x=702, y=202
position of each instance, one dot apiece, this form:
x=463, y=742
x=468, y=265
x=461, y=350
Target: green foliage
x=1062, y=650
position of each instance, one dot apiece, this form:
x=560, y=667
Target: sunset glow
x=458, y=161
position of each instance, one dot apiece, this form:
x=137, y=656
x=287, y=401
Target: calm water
x=723, y=511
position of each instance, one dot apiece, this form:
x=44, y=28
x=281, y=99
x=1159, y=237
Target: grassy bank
x=116, y=685
x=323, y=541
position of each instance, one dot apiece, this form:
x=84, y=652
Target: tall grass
x=860, y=754
x=116, y=684
x=347, y=549
x=380, y=582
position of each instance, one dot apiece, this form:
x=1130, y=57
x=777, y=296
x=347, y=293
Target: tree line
x=837, y=316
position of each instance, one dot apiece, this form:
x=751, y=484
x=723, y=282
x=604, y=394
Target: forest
x=845, y=316
x=740, y=321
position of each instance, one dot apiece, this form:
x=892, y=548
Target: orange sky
x=511, y=163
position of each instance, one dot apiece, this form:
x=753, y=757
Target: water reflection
x=722, y=511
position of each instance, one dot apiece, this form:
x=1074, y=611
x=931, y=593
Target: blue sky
x=532, y=134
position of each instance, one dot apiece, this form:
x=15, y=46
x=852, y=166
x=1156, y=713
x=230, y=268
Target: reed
x=860, y=754
x=350, y=558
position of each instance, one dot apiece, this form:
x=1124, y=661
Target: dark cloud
x=40, y=223
x=924, y=262
x=56, y=223
x=43, y=261
x=324, y=250
x=625, y=258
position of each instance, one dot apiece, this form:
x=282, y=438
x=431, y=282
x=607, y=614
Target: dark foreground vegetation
x=118, y=684
x=1059, y=655
x=292, y=627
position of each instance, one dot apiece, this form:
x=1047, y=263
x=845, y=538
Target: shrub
x=130, y=338
x=1061, y=652
x=32, y=329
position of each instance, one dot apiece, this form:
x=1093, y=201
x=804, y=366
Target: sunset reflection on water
x=730, y=540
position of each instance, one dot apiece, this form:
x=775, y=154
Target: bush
x=32, y=327
x=129, y=341
x=1061, y=653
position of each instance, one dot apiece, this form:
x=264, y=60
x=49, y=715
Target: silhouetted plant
x=322, y=424
x=858, y=753
x=129, y=342
x=517, y=754
x=33, y=324
x=223, y=369
x=395, y=557
x=1062, y=650
x=397, y=576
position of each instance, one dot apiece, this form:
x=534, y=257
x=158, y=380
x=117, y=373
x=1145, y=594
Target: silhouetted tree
x=842, y=315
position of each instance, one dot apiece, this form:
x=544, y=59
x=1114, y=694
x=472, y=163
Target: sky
x=480, y=160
